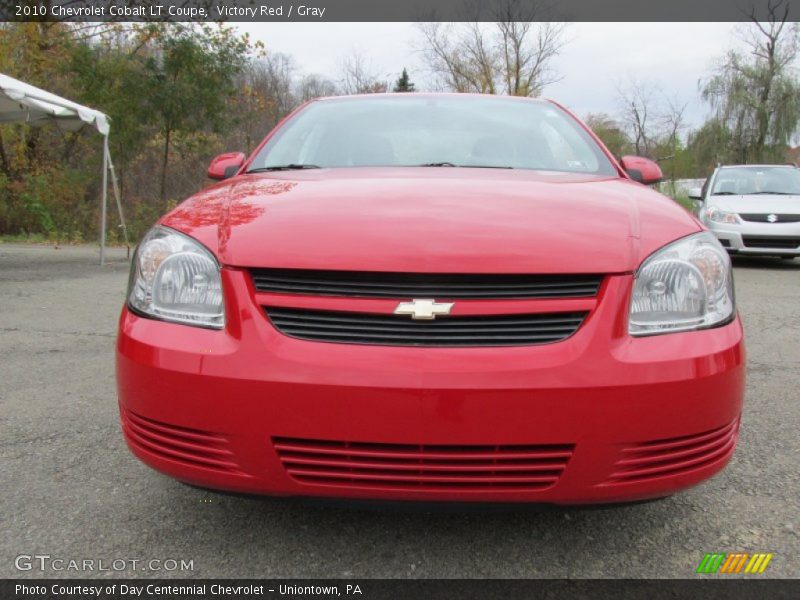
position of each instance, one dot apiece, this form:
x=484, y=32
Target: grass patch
x=25, y=238
x=684, y=201
x=49, y=240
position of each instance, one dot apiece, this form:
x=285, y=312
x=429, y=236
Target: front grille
x=764, y=218
x=400, y=330
x=662, y=458
x=190, y=447
x=422, y=467
x=423, y=285
x=776, y=242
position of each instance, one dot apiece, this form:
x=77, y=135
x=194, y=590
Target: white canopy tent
x=24, y=103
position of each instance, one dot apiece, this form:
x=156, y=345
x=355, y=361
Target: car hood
x=758, y=203
x=432, y=220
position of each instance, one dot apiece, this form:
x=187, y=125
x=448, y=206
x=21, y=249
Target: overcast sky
x=673, y=56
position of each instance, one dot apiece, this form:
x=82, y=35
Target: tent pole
x=105, y=201
x=115, y=187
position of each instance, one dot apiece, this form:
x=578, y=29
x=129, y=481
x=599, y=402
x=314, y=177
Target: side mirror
x=642, y=169
x=225, y=165
x=695, y=194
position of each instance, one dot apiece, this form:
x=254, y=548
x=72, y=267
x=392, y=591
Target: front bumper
x=603, y=416
x=758, y=239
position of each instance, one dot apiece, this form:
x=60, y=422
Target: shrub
x=53, y=203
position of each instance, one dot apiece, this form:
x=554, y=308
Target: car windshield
x=453, y=131
x=741, y=181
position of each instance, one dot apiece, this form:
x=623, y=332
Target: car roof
x=412, y=95
x=781, y=166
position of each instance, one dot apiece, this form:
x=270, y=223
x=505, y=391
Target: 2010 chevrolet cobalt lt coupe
x=433, y=298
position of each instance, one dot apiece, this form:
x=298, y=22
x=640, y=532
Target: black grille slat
x=377, y=284
x=405, y=293
x=451, y=330
x=415, y=285
x=301, y=316
x=361, y=335
x=400, y=330
x=784, y=243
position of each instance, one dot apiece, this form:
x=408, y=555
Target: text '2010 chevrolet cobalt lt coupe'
x=434, y=298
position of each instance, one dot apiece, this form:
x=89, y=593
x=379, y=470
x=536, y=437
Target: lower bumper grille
x=674, y=456
x=190, y=447
x=422, y=467
x=782, y=243
x=399, y=330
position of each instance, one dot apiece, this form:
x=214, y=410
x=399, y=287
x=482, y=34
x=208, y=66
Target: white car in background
x=753, y=209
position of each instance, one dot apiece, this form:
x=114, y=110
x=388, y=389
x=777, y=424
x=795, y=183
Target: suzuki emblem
x=424, y=309
x=772, y=218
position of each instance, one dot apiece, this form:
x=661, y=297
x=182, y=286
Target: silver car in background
x=753, y=209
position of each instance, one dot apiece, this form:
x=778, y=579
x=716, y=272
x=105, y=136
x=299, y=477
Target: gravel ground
x=72, y=490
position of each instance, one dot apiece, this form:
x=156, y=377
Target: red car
x=432, y=297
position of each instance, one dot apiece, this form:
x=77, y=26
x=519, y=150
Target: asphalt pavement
x=72, y=491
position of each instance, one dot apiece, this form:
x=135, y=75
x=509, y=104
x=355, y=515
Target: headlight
x=174, y=278
x=684, y=286
x=720, y=216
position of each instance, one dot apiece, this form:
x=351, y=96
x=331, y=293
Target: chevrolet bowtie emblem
x=424, y=309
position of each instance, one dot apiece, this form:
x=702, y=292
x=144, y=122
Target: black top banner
x=400, y=10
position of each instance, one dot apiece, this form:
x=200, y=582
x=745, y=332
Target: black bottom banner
x=391, y=589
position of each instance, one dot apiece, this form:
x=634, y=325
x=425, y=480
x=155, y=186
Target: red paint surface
x=231, y=391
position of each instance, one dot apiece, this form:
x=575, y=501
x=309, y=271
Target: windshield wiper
x=487, y=167
x=289, y=167
x=449, y=164
x=723, y=194
x=773, y=193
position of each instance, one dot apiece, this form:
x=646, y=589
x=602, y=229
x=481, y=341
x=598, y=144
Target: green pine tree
x=404, y=84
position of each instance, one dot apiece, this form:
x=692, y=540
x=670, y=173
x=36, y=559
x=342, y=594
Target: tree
x=44, y=188
x=188, y=78
x=610, y=132
x=357, y=78
x=756, y=95
x=638, y=110
x=404, y=83
x=653, y=122
x=265, y=94
x=512, y=56
x=670, y=150
x=107, y=75
x=315, y=86
x=32, y=52
x=176, y=94
x=711, y=145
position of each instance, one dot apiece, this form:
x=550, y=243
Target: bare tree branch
x=513, y=55
x=357, y=77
